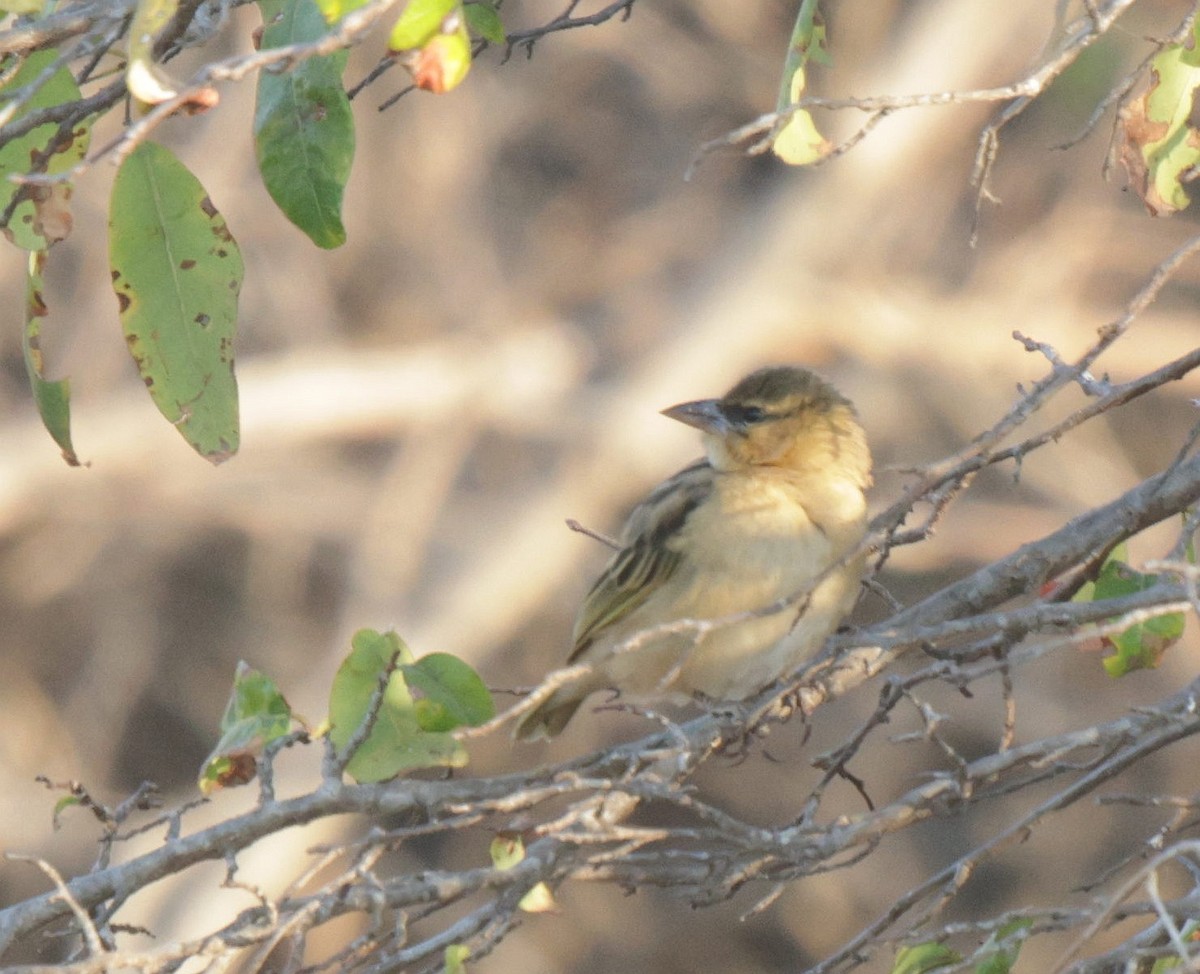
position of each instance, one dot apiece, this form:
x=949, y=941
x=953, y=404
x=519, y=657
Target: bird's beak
x=704, y=414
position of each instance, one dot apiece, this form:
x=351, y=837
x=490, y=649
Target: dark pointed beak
x=703, y=414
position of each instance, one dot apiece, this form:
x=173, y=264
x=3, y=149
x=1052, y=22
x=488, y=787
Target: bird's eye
x=745, y=415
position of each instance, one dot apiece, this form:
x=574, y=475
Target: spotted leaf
x=177, y=271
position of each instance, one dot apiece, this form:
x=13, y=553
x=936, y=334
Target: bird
x=778, y=499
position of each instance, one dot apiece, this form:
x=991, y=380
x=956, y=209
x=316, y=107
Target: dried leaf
x=443, y=63
x=1161, y=146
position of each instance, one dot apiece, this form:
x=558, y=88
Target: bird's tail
x=550, y=716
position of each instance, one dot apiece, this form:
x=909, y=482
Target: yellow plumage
x=777, y=501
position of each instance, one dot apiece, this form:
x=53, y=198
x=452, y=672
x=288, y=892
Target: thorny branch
x=90, y=28
x=1097, y=20
x=577, y=816
x=95, y=32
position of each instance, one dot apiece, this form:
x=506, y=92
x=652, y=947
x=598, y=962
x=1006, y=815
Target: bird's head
x=781, y=416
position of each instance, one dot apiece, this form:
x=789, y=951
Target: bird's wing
x=647, y=558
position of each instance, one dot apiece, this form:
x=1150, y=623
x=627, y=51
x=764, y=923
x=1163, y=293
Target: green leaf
x=506, y=850
x=147, y=82
x=177, y=271
x=255, y=697
x=1161, y=140
x=371, y=655
x=798, y=142
x=455, y=959
x=420, y=21
x=1191, y=934
x=335, y=10
x=44, y=218
x=1163, y=964
x=397, y=744
x=397, y=741
x=483, y=19
x=921, y=958
x=53, y=398
x=1143, y=644
x=453, y=693
x=255, y=715
x=22, y=6
x=303, y=125
x=1002, y=958
x=60, y=806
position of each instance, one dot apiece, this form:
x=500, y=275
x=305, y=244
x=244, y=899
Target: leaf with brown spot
x=38, y=223
x=53, y=398
x=255, y=715
x=1160, y=149
x=159, y=219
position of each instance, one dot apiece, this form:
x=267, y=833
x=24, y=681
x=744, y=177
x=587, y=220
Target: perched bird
x=777, y=500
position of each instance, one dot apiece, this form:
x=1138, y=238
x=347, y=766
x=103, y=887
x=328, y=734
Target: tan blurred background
x=528, y=279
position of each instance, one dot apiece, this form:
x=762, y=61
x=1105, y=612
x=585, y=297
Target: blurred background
x=528, y=280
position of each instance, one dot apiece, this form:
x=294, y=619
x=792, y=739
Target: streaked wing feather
x=647, y=558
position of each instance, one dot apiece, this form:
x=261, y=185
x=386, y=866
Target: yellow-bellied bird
x=776, y=502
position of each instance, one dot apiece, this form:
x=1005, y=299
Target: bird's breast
x=753, y=542
x=763, y=528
